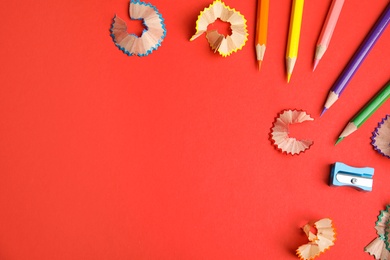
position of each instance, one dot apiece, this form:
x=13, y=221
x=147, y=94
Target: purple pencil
x=357, y=59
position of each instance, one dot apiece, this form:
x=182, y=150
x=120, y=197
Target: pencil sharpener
x=345, y=175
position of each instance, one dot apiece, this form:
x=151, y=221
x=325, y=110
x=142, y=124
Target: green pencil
x=366, y=112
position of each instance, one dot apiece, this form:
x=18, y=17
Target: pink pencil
x=327, y=30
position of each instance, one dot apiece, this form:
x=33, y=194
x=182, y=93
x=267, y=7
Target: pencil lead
x=323, y=111
x=316, y=61
x=339, y=140
x=259, y=64
x=288, y=77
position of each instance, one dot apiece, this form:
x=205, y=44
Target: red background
x=105, y=156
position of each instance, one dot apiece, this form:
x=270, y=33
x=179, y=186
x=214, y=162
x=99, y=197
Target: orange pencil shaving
x=261, y=29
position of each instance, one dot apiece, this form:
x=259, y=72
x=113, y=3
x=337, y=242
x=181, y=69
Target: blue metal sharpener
x=344, y=175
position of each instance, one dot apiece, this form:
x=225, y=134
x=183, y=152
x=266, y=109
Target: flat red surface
x=105, y=156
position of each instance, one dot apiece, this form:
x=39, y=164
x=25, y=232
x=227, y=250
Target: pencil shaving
x=378, y=248
x=280, y=132
x=224, y=45
x=320, y=241
x=386, y=226
x=151, y=37
x=381, y=137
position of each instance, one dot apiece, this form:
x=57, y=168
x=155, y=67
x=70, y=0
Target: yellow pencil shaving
x=218, y=42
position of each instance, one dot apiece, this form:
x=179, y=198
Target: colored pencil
x=366, y=112
x=357, y=59
x=261, y=30
x=327, y=30
x=293, y=36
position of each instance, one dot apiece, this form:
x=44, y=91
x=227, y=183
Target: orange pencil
x=261, y=29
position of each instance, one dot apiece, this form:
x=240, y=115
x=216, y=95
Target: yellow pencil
x=293, y=36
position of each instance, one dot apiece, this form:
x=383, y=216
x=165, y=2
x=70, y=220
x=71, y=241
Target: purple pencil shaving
x=381, y=137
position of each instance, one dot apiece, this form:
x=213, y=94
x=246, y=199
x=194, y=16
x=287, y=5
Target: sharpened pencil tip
x=288, y=78
x=259, y=64
x=316, y=61
x=339, y=140
x=323, y=111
